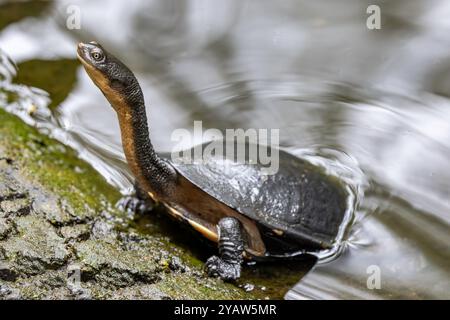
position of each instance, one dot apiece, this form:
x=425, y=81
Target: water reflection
x=370, y=106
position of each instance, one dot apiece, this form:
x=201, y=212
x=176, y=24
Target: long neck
x=152, y=173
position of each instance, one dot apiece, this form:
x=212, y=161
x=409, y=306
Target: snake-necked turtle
x=249, y=213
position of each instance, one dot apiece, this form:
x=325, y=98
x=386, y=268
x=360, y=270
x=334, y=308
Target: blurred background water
x=371, y=106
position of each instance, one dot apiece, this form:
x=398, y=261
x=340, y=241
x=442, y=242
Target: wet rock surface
x=69, y=242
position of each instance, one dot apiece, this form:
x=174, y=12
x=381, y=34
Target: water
x=370, y=106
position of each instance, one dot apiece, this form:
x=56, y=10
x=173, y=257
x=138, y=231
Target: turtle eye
x=97, y=56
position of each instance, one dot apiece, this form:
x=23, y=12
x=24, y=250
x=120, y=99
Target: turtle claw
x=216, y=267
x=134, y=205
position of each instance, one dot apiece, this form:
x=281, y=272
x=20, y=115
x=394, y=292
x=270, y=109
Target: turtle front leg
x=231, y=247
x=139, y=203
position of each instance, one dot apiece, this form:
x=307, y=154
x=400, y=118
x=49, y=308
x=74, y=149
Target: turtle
x=250, y=213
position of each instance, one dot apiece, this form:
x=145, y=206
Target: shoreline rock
x=65, y=240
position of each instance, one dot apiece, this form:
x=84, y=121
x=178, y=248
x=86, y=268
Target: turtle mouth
x=81, y=52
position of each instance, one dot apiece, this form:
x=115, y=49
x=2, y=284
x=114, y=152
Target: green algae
x=55, y=166
x=56, y=77
x=11, y=12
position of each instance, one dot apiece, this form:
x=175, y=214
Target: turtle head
x=111, y=76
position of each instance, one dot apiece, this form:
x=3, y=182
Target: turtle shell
x=298, y=201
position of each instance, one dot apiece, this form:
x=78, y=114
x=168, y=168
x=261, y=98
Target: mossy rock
x=58, y=222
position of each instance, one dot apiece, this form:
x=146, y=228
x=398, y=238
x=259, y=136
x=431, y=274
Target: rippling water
x=371, y=107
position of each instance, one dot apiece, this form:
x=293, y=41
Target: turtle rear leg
x=231, y=248
x=139, y=203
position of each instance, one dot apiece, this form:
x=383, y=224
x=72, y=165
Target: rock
x=177, y=286
x=5, y=228
x=9, y=293
x=7, y=271
x=49, y=285
x=77, y=232
x=18, y=207
x=139, y=292
x=10, y=188
x=111, y=264
x=62, y=238
x=36, y=247
x=103, y=230
x=50, y=208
